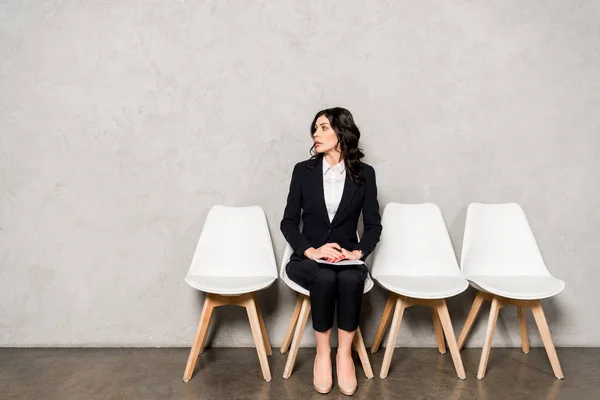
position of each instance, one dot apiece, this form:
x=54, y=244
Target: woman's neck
x=333, y=158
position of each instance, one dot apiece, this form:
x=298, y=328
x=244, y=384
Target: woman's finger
x=335, y=246
x=330, y=252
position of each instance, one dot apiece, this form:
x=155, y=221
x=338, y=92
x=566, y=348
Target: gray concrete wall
x=123, y=122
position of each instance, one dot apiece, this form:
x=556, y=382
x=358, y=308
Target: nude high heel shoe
x=347, y=387
x=322, y=385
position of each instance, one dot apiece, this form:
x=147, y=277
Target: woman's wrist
x=308, y=252
x=359, y=253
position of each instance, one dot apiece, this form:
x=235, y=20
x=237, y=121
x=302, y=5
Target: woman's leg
x=350, y=287
x=323, y=343
x=344, y=353
x=351, y=282
x=322, y=370
x=321, y=282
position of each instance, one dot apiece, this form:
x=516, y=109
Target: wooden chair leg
x=259, y=341
x=263, y=327
x=439, y=333
x=391, y=343
x=200, y=338
x=477, y=302
x=523, y=329
x=383, y=323
x=359, y=345
x=287, y=339
x=444, y=317
x=487, y=345
x=302, y=319
x=542, y=324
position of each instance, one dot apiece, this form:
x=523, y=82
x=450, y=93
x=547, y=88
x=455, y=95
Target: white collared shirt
x=334, y=179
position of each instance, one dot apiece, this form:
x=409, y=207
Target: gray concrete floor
x=234, y=373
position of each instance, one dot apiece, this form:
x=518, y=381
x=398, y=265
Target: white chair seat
x=229, y=285
x=520, y=287
x=297, y=288
x=424, y=287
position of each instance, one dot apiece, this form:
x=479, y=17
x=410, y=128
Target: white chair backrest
x=414, y=242
x=499, y=241
x=235, y=242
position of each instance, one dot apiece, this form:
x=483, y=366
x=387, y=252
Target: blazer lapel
x=347, y=195
x=320, y=200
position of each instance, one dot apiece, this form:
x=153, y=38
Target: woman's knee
x=302, y=272
x=324, y=277
x=351, y=279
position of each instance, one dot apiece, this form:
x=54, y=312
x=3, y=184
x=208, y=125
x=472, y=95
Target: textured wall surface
x=123, y=122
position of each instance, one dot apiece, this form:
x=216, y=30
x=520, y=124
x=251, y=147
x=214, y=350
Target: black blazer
x=306, y=194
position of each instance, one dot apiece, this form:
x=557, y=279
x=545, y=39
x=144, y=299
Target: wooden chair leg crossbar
x=257, y=325
x=497, y=303
x=396, y=304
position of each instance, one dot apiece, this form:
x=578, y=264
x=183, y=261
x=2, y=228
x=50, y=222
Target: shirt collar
x=339, y=168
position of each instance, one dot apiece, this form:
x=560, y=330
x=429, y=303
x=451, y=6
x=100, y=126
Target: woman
x=331, y=189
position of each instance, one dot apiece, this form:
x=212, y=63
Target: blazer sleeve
x=371, y=217
x=291, y=216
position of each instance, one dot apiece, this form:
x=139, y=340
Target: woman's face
x=325, y=138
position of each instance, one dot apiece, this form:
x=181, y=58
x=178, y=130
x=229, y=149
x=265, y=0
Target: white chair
x=415, y=261
x=300, y=317
x=501, y=259
x=233, y=259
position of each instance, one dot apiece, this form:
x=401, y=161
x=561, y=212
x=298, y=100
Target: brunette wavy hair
x=348, y=135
